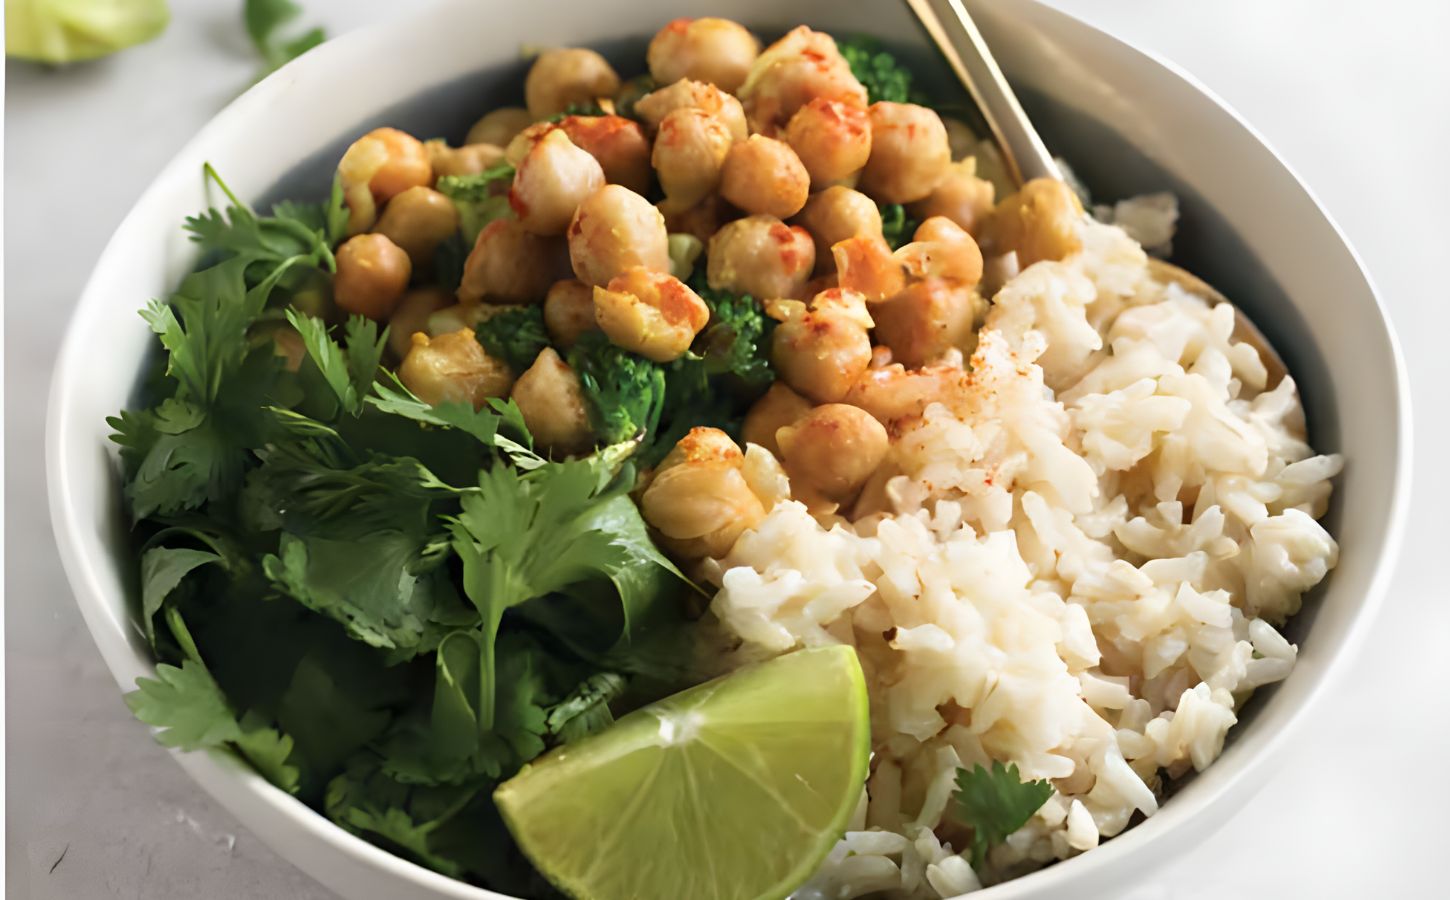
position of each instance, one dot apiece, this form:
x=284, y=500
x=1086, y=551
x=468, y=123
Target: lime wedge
x=732, y=790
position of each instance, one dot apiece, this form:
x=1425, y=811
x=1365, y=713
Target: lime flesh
x=732, y=790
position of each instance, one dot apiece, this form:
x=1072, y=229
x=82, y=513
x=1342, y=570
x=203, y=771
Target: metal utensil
x=955, y=34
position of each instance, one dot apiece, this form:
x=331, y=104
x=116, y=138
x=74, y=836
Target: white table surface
x=1355, y=99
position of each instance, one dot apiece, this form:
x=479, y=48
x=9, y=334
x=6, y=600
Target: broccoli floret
x=626, y=392
x=737, y=340
x=878, y=71
x=515, y=335
x=479, y=198
x=896, y=226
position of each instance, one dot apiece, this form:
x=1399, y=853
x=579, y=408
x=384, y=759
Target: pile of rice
x=1079, y=565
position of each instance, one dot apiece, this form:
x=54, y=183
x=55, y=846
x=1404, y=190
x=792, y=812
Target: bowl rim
x=219, y=772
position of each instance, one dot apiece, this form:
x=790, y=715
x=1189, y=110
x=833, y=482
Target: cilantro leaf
x=190, y=712
x=479, y=198
x=348, y=371
x=268, y=246
x=162, y=570
x=377, y=586
x=485, y=425
x=265, y=19
x=995, y=803
x=366, y=801
x=515, y=335
x=554, y=529
x=586, y=710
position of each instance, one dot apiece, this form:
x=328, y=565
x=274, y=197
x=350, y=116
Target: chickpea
x=650, y=313
x=689, y=155
x=466, y=160
x=569, y=311
x=418, y=220
x=715, y=50
x=925, y=320
x=687, y=94
x=942, y=249
x=778, y=407
x=699, y=500
x=613, y=230
x=701, y=220
x=866, y=264
x=561, y=77
x=507, y=265
x=793, y=71
x=833, y=140
x=372, y=274
x=764, y=176
x=411, y=316
x=618, y=143
x=499, y=126
x=377, y=167
x=834, y=448
x=822, y=351
x=909, y=153
x=287, y=344
x=760, y=256
x=551, y=182
x=1039, y=222
x=960, y=138
x=837, y=214
x=453, y=368
x=891, y=393
x=552, y=401
x=960, y=196
x=520, y=145
x=462, y=315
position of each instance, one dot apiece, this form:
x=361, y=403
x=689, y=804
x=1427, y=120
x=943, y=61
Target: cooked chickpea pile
x=775, y=162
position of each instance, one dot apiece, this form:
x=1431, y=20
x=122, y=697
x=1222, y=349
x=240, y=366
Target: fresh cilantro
x=515, y=335
x=403, y=817
x=265, y=19
x=995, y=803
x=626, y=392
x=162, y=571
x=586, y=710
x=560, y=529
x=295, y=235
x=480, y=198
x=896, y=226
x=501, y=425
x=878, y=71
x=190, y=712
x=348, y=372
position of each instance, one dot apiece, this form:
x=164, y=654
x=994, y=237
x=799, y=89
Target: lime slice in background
x=63, y=31
x=732, y=790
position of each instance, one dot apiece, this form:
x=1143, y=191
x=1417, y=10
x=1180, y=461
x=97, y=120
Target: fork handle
x=951, y=27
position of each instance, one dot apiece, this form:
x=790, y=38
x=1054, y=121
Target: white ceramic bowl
x=1127, y=121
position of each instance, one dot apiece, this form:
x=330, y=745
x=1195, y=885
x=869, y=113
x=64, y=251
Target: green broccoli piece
x=626, y=392
x=878, y=71
x=515, y=335
x=480, y=198
x=737, y=340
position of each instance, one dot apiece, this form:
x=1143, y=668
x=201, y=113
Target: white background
x=1355, y=96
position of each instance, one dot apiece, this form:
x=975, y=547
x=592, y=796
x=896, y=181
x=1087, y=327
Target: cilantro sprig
x=995, y=802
